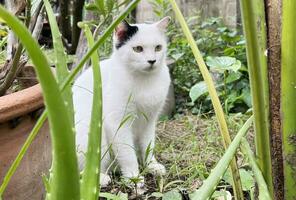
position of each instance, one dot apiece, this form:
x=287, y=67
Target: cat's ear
x=121, y=30
x=163, y=23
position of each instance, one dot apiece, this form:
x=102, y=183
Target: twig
x=77, y=16
x=39, y=25
x=65, y=24
x=14, y=66
x=13, y=70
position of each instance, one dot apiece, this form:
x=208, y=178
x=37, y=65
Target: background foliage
x=219, y=45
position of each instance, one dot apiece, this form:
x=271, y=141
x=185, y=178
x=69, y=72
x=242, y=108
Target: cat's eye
x=158, y=48
x=138, y=49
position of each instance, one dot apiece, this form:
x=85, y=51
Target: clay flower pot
x=16, y=121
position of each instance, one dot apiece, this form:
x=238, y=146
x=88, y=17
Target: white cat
x=135, y=85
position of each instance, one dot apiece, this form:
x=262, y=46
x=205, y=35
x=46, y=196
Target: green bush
x=224, y=50
x=221, y=46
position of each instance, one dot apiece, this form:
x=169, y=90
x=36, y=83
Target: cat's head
x=142, y=47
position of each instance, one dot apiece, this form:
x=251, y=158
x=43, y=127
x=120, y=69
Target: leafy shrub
x=224, y=50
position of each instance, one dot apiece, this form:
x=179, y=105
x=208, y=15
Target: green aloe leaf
x=60, y=58
x=91, y=174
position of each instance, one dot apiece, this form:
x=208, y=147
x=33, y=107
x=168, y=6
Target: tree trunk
x=65, y=21
x=273, y=12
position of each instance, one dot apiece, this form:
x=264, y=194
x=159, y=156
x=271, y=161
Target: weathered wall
x=227, y=9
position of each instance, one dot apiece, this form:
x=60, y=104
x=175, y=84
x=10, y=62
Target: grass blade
x=89, y=186
x=214, y=97
x=209, y=185
x=288, y=97
x=65, y=177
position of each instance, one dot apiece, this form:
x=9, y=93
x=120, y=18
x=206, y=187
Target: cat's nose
x=151, y=62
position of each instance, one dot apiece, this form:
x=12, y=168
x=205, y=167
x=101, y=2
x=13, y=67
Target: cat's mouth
x=150, y=68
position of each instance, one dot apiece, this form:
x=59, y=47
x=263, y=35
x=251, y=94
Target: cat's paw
x=104, y=179
x=156, y=168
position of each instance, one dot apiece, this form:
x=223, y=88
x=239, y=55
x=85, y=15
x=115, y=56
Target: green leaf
x=198, y=90
x=246, y=96
x=232, y=77
x=157, y=194
x=91, y=6
x=101, y=6
x=223, y=63
x=110, y=5
x=248, y=181
x=177, y=56
x=172, y=195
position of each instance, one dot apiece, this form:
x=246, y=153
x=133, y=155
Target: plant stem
x=209, y=185
x=214, y=97
x=77, y=17
x=13, y=70
x=288, y=97
x=263, y=189
x=252, y=15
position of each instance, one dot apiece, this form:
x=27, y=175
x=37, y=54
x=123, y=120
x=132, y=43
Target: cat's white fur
x=130, y=88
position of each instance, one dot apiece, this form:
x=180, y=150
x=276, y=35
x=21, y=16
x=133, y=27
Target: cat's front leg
x=121, y=141
x=146, y=142
x=125, y=154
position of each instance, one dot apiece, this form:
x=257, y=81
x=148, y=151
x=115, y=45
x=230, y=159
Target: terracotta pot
x=17, y=118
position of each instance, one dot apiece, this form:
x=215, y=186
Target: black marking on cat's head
x=124, y=32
